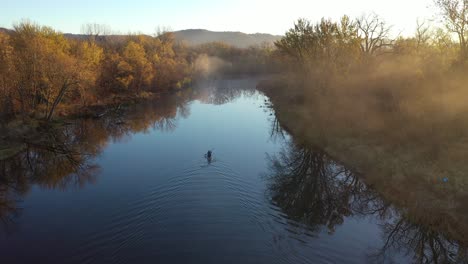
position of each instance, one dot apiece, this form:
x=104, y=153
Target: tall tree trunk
x=57, y=100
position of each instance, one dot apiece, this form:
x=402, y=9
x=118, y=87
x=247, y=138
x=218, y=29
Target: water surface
x=135, y=187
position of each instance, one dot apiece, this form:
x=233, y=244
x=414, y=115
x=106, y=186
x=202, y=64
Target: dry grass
x=404, y=133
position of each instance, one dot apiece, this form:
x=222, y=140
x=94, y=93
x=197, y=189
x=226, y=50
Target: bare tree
x=422, y=33
x=373, y=32
x=94, y=30
x=455, y=15
x=161, y=30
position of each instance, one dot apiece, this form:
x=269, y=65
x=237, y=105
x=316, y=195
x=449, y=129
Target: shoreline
x=19, y=129
x=408, y=186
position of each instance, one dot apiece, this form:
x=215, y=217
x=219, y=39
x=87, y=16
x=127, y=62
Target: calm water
x=135, y=187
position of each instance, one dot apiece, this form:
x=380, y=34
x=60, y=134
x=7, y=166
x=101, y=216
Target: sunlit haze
x=263, y=16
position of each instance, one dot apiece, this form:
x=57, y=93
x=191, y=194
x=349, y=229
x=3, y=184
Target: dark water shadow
x=319, y=192
x=59, y=161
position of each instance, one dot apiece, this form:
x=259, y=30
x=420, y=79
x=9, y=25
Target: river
x=136, y=187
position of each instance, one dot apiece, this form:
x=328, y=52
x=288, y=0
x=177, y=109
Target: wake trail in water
x=198, y=191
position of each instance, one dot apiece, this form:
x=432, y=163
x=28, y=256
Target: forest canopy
x=40, y=68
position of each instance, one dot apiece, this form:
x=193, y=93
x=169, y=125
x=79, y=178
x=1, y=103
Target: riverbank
x=32, y=127
x=427, y=177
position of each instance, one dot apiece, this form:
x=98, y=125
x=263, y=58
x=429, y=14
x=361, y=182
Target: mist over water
x=208, y=66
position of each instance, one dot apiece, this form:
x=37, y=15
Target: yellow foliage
x=141, y=70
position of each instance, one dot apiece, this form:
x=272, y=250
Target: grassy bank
x=419, y=167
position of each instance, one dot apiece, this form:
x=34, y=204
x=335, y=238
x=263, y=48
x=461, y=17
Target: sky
x=249, y=16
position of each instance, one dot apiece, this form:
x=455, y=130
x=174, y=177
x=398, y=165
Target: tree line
x=353, y=72
x=44, y=72
x=41, y=69
x=349, y=45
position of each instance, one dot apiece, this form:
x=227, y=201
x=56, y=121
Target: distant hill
x=201, y=36
x=238, y=39
x=4, y=30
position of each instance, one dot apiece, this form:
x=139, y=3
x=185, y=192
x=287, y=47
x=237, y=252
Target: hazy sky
x=250, y=16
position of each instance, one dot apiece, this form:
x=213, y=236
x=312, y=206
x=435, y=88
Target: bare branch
x=373, y=33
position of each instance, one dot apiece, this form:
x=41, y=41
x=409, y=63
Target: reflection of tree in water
x=276, y=131
x=10, y=192
x=62, y=157
x=423, y=242
x=184, y=109
x=313, y=189
x=57, y=161
x=166, y=124
x=223, y=91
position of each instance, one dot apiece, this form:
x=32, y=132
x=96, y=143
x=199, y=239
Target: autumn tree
x=134, y=55
x=116, y=73
x=444, y=47
x=347, y=45
x=6, y=75
x=455, y=15
x=90, y=57
x=42, y=70
x=298, y=41
x=27, y=44
x=62, y=72
x=326, y=45
x=46, y=69
x=170, y=66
